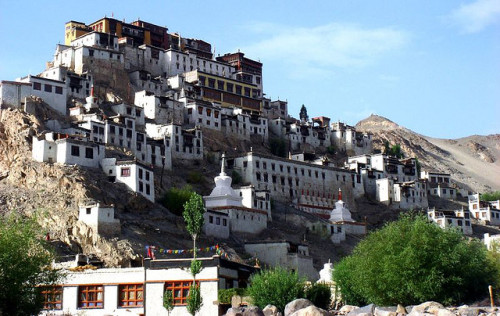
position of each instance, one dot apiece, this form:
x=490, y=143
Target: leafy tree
x=168, y=301
x=175, y=198
x=275, y=286
x=303, y=114
x=278, y=147
x=320, y=295
x=25, y=259
x=396, y=151
x=412, y=260
x=490, y=196
x=193, y=217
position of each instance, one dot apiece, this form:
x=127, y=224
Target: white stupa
x=91, y=100
x=223, y=194
x=340, y=213
x=325, y=275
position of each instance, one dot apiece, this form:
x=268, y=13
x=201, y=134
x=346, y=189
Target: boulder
x=347, y=309
x=234, y=311
x=401, y=310
x=443, y=312
x=427, y=307
x=365, y=310
x=295, y=305
x=252, y=311
x=385, y=311
x=311, y=311
x=465, y=310
x=271, y=310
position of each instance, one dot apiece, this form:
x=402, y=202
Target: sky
x=431, y=66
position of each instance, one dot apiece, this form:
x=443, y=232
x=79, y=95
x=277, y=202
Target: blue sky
x=431, y=66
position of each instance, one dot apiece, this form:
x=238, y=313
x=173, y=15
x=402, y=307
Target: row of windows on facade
x=459, y=222
x=217, y=220
x=91, y=54
x=89, y=152
x=143, y=174
x=47, y=88
x=129, y=295
x=232, y=88
x=484, y=215
x=198, y=63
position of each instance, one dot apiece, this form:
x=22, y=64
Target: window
x=140, y=173
x=37, y=86
x=180, y=290
x=238, y=89
x=229, y=87
x=211, y=219
x=224, y=222
x=47, y=88
x=90, y=296
x=75, y=151
x=59, y=90
x=89, y=153
x=88, y=210
x=131, y=295
x=52, y=297
x=217, y=221
x=125, y=172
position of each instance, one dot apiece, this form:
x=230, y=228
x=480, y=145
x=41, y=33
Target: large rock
x=385, y=311
x=252, y=311
x=295, y=305
x=347, y=309
x=427, y=307
x=365, y=310
x=234, y=311
x=443, y=312
x=271, y=310
x=311, y=311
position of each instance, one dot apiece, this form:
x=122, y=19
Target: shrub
x=225, y=295
x=410, y=261
x=175, y=198
x=275, y=286
x=330, y=149
x=278, y=147
x=195, y=177
x=236, y=176
x=490, y=196
x=320, y=295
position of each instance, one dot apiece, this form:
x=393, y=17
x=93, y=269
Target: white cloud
x=476, y=16
x=324, y=47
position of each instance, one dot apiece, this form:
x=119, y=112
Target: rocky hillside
x=472, y=161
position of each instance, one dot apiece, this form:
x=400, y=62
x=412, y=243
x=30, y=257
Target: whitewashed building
x=341, y=216
x=161, y=109
x=485, y=211
x=136, y=176
x=52, y=92
x=54, y=147
x=401, y=170
x=405, y=195
x=13, y=94
x=203, y=113
x=284, y=254
x=492, y=241
x=224, y=200
x=459, y=219
x=140, y=291
x=101, y=218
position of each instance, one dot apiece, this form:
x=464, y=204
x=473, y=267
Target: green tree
x=25, y=259
x=175, y=198
x=275, y=286
x=303, y=114
x=396, y=151
x=410, y=261
x=320, y=295
x=168, y=301
x=193, y=217
x=278, y=147
x=490, y=196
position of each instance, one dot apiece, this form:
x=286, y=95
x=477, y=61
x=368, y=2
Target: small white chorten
x=91, y=100
x=223, y=194
x=340, y=213
x=325, y=275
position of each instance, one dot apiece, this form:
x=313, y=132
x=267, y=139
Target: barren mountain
x=473, y=161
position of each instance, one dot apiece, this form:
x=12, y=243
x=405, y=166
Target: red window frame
x=91, y=296
x=52, y=297
x=131, y=295
x=180, y=290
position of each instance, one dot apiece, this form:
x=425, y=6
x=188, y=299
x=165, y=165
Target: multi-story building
x=202, y=113
x=229, y=93
x=288, y=179
x=247, y=70
x=401, y=170
x=404, y=195
x=52, y=92
x=485, y=211
x=160, y=109
x=138, y=177
x=459, y=219
x=99, y=217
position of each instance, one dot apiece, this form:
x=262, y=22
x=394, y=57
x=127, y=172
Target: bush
x=225, y=295
x=275, y=286
x=195, y=177
x=236, y=176
x=175, y=198
x=330, y=149
x=410, y=261
x=278, y=147
x=490, y=196
x=320, y=295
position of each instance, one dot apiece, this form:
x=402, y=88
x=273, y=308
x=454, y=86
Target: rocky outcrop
x=296, y=305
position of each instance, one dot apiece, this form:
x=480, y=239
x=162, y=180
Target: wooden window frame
x=183, y=288
x=128, y=288
x=90, y=289
x=50, y=300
